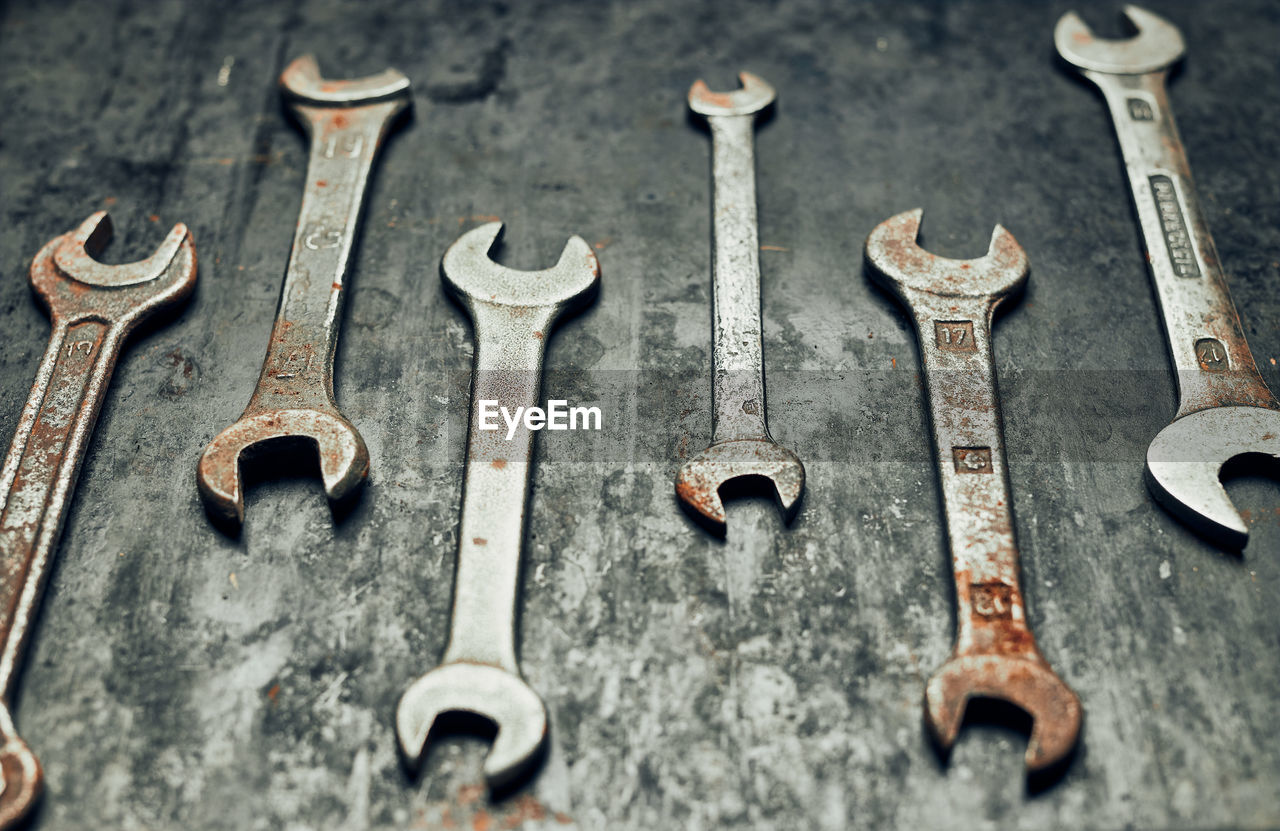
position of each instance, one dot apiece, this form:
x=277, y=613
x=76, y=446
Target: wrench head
x=1157, y=45
x=477, y=280
x=344, y=460
x=898, y=262
x=302, y=81
x=754, y=95
x=699, y=481
x=76, y=256
x=1185, y=460
x=1024, y=681
x=486, y=691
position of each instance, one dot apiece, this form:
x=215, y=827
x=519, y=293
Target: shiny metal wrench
x=1225, y=409
x=512, y=313
x=740, y=442
x=995, y=654
x=93, y=309
x=346, y=122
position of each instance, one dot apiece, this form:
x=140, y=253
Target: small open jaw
x=1157, y=45
x=75, y=257
x=301, y=79
x=699, y=481
x=898, y=261
x=1185, y=460
x=1025, y=682
x=755, y=95
x=485, y=691
x=472, y=274
x=344, y=460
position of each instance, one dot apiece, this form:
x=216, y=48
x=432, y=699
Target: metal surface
x=346, y=122
x=1225, y=410
x=93, y=309
x=740, y=442
x=995, y=654
x=512, y=313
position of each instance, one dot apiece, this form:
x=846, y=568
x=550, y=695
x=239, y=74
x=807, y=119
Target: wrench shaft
x=1207, y=344
x=955, y=339
x=41, y=468
x=298, y=370
x=738, y=352
x=507, y=369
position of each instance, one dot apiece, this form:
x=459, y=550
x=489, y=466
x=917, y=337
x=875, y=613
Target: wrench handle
x=297, y=372
x=968, y=437
x=737, y=349
x=41, y=468
x=495, y=492
x=1207, y=344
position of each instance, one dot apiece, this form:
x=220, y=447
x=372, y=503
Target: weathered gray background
x=181, y=679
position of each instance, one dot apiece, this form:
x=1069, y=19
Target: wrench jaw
x=301, y=80
x=23, y=781
x=344, y=459
x=473, y=276
x=898, y=262
x=1157, y=45
x=700, y=479
x=1025, y=681
x=755, y=95
x=1185, y=461
x=486, y=691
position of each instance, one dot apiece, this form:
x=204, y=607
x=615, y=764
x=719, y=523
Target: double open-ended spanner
x=1225, y=409
x=93, y=309
x=512, y=313
x=995, y=654
x=346, y=122
x=740, y=442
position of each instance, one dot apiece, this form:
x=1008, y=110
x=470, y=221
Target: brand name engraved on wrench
x=1173, y=224
x=954, y=335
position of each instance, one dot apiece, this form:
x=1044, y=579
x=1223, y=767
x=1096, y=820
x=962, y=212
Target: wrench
x=995, y=655
x=93, y=309
x=512, y=312
x=346, y=121
x=1225, y=409
x=740, y=442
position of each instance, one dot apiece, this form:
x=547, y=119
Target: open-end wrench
x=93, y=308
x=512, y=313
x=740, y=442
x=995, y=655
x=1225, y=409
x=346, y=121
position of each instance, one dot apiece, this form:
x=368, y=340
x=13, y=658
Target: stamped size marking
x=348, y=146
x=318, y=238
x=972, y=459
x=993, y=601
x=954, y=335
x=1212, y=355
x=1173, y=224
x=80, y=346
x=1141, y=110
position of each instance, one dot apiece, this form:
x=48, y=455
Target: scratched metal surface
x=179, y=678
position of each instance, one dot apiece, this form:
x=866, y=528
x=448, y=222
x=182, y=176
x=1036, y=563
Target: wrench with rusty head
x=995, y=655
x=346, y=121
x=93, y=308
x=512, y=313
x=740, y=442
x=1225, y=410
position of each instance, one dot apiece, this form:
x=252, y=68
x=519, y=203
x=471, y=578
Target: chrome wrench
x=740, y=442
x=1225, y=409
x=346, y=121
x=93, y=309
x=512, y=312
x=995, y=654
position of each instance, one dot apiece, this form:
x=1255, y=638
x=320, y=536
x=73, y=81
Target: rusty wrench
x=346, y=121
x=512, y=313
x=995, y=655
x=740, y=442
x=93, y=309
x=1225, y=409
